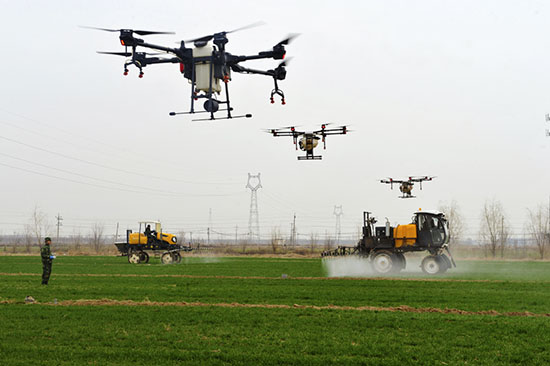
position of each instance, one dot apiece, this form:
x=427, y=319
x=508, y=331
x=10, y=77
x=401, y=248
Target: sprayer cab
x=386, y=245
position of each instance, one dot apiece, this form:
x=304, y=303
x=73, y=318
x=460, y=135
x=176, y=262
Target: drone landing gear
x=310, y=157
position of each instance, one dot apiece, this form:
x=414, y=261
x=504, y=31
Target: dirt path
x=401, y=308
x=424, y=279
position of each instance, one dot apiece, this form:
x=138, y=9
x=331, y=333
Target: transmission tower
x=253, y=218
x=338, y=213
x=59, y=219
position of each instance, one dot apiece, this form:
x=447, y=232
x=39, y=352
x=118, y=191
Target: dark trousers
x=46, y=271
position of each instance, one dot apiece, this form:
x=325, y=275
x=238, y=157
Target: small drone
x=309, y=140
x=207, y=65
x=406, y=186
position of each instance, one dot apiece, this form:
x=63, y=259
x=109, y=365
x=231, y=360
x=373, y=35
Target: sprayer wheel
x=176, y=257
x=143, y=257
x=133, y=257
x=382, y=261
x=400, y=261
x=167, y=258
x=432, y=265
x=445, y=263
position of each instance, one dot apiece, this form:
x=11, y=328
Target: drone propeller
x=125, y=54
x=128, y=54
x=140, y=32
x=288, y=39
x=224, y=33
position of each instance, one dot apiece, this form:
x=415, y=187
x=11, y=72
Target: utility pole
x=253, y=218
x=59, y=219
x=338, y=213
x=293, y=231
x=209, y=225
x=236, y=234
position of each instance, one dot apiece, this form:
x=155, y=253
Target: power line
x=111, y=188
x=119, y=170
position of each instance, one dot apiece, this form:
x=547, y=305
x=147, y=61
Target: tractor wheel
x=432, y=265
x=134, y=258
x=383, y=262
x=167, y=258
x=445, y=263
x=143, y=257
x=400, y=261
x=177, y=257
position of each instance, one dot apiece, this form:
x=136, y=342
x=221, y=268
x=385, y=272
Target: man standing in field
x=47, y=259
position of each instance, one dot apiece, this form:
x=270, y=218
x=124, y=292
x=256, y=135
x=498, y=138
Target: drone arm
x=157, y=60
x=173, y=51
x=245, y=70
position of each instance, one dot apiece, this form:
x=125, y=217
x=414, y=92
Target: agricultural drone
x=309, y=140
x=406, y=186
x=206, y=65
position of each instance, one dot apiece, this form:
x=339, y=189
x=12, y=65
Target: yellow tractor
x=150, y=238
x=385, y=246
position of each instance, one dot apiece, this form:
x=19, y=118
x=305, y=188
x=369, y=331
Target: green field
x=248, y=311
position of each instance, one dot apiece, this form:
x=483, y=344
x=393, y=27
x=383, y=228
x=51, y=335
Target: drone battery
x=204, y=73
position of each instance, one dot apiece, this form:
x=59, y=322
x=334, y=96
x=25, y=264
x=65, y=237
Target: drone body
x=206, y=65
x=307, y=141
x=406, y=186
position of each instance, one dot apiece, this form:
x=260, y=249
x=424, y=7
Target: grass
x=169, y=335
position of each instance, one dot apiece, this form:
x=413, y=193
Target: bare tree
x=28, y=239
x=313, y=242
x=96, y=239
x=39, y=225
x=494, y=229
x=538, y=226
x=329, y=242
x=77, y=240
x=455, y=220
x=275, y=239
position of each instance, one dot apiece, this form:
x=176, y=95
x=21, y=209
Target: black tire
x=383, y=262
x=400, y=261
x=143, y=257
x=177, y=257
x=445, y=263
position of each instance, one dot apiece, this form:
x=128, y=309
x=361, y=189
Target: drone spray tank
x=204, y=70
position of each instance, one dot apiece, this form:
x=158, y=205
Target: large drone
x=309, y=140
x=406, y=186
x=206, y=65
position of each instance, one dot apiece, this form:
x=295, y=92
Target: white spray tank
x=202, y=70
x=387, y=227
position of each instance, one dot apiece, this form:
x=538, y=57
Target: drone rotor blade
x=209, y=37
x=253, y=25
x=102, y=29
x=140, y=32
x=288, y=39
x=146, y=33
x=285, y=62
x=125, y=54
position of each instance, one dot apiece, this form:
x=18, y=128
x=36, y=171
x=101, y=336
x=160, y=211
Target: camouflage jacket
x=45, y=253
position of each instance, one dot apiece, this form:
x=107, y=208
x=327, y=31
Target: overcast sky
x=454, y=89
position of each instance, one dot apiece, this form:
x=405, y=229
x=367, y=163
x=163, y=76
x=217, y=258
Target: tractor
x=147, y=239
x=385, y=246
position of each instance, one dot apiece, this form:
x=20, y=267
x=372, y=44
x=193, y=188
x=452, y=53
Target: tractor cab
x=150, y=233
x=431, y=228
